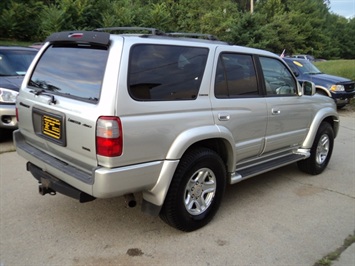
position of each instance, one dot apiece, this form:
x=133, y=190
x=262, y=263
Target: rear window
x=72, y=71
x=165, y=72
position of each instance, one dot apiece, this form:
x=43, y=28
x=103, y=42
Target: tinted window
x=235, y=76
x=75, y=72
x=15, y=62
x=278, y=79
x=161, y=72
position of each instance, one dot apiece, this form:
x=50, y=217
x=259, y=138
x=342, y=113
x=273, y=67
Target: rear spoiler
x=85, y=37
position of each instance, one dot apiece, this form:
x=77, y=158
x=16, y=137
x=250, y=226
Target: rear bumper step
x=50, y=184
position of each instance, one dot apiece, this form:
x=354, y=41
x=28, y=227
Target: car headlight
x=7, y=96
x=337, y=88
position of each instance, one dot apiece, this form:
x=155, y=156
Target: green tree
x=53, y=20
x=158, y=15
x=20, y=20
x=220, y=20
x=79, y=13
x=118, y=13
x=342, y=37
x=302, y=26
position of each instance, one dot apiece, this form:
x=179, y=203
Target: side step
x=254, y=170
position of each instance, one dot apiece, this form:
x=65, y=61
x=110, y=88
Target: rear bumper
x=100, y=183
x=51, y=184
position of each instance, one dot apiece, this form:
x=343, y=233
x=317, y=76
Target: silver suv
x=170, y=116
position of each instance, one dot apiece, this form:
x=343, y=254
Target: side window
x=235, y=76
x=165, y=72
x=278, y=79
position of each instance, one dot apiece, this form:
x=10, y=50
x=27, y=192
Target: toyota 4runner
x=171, y=116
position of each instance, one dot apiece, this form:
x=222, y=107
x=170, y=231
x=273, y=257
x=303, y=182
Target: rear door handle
x=275, y=111
x=224, y=116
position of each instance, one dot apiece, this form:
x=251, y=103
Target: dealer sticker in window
x=51, y=127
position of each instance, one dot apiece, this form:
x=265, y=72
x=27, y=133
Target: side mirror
x=308, y=88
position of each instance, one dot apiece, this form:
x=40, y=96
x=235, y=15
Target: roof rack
x=152, y=31
x=193, y=35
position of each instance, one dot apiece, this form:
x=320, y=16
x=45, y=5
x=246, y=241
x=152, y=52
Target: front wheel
x=196, y=190
x=321, y=151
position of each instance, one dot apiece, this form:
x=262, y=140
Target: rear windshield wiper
x=94, y=99
x=44, y=93
x=34, y=84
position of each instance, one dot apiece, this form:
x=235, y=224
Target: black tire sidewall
x=324, y=128
x=192, y=162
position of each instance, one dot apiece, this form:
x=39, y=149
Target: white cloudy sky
x=345, y=8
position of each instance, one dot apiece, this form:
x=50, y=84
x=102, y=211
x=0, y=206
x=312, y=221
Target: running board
x=254, y=170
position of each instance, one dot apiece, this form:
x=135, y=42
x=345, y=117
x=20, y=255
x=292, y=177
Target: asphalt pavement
x=283, y=217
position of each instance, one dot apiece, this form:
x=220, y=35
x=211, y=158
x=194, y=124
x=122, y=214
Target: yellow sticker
x=298, y=63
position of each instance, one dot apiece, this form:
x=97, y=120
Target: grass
x=342, y=68
x=332, y=256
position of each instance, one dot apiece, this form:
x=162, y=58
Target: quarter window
x=165, y=72
x=278, y=79
x=235, y=76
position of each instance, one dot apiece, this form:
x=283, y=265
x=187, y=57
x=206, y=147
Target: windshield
x=71, y=71
x=15, y=62
x=306, y=67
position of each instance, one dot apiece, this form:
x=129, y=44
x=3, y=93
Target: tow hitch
x=51, y=185
x=43, y=190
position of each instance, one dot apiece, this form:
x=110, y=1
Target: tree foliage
x=302, y=26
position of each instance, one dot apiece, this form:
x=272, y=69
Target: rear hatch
x=60, y=100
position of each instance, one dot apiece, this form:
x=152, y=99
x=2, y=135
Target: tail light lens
x=109, y=136
x=18, y=120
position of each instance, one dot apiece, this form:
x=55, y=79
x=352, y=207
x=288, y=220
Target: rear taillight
x=109, y=136
x=17, y=115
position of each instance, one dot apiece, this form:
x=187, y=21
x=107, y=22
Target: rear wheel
x=321, y=151
x=196, y=190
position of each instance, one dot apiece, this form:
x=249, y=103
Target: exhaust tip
x=130, y=200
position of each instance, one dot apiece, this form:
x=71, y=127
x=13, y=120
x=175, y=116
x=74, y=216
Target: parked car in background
x=339, y=88
x=14, y=62
x=304, y=56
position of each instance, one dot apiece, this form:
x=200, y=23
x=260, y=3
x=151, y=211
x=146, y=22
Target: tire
x=321, y=151
x=196, y=190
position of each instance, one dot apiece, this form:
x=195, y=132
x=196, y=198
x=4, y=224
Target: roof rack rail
x=152, y=31
x=193, y=35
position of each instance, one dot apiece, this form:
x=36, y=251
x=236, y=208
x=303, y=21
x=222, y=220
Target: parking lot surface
x=283, y=217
